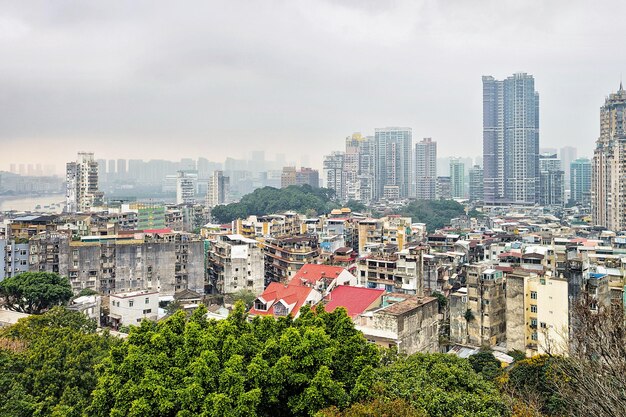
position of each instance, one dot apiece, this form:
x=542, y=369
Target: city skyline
x=301, y=75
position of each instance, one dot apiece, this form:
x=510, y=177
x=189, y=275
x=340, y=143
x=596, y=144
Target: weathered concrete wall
x=515, y=313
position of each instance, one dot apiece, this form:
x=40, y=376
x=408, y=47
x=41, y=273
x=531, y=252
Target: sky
x=153, y=79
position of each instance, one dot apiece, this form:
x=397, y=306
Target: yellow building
x=537, y=313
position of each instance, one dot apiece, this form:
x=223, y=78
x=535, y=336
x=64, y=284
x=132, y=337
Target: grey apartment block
x=511, y=140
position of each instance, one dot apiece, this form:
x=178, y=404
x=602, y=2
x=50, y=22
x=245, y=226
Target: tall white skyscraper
x=511, y=140
x=81, y=177
x=426, y=169
x=392, y=162
x=217, y=190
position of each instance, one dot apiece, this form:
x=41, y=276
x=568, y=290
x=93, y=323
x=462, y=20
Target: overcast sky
x=171, y=79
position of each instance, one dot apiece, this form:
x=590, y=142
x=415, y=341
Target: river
x=30, y=203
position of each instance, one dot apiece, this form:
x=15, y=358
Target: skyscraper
x=580, y=181
x=217, y=190
x=426, y=169
x=476, y=183
x=457, y=178
x=552, y=181
x=333, y=173
x=567, y=155
x=608, y=176
x=511, y=140
x=392, y=161
x=81, y=192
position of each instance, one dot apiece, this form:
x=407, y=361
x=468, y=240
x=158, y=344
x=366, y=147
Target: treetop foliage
x=434, y=213
x=35, y=292
x=269, y=200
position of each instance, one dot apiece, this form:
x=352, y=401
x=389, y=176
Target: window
x=533, y=295
x=130, y=303
x=533, y=336
x=147, y=300
x=543, y=325
x=148, y=311
x=533, y=323
x=533, y=308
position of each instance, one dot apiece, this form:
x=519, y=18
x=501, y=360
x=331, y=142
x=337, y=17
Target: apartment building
x=235, y=263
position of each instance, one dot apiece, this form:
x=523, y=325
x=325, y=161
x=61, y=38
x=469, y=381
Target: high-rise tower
x=608, y=177
x=511, y=140
x=81, y=177
x=392, y=162
x=426, y=169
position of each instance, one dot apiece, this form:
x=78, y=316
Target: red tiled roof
x=158, y=231
x=312, y=273
x=354, y=299
x=289, y=294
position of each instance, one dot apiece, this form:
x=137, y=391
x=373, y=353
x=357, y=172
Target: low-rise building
x=130, y=308
x=408, y=322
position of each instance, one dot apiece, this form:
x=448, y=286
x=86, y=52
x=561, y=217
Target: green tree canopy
x=268, y=200
x=235, y=367
x=35, y=292
x=51, y=372
x=434, y=213
x=440, y=385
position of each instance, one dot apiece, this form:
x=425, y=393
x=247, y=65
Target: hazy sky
x=171, y=79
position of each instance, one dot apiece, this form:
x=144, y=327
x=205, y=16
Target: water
x=30, y=203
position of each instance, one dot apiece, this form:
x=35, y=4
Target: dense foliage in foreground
x=317, y=364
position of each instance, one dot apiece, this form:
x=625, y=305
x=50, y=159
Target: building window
x=533, y=308
x=533, y=295
x=148, y=311
x=130, y=303
x=543, y=325
x=147, y=300
x=533, y=336
x=533, y=323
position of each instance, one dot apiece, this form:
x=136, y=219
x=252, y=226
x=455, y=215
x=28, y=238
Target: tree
x=486, y=364
x=245, y=296
x=235, y=367
x=440, y=385
x=53, y=373
x=592, y=378
x=35, y=292
x=86, y=292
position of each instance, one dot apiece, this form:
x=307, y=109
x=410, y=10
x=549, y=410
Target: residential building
x=580, y=181
x=14, y=258
x=186, y=187
x=217, y=191
x=510, y=140
x=476, y=184
x=457, y=178
x=608, y=189
x=280, y=300
x=392, y=162
x=407, y=322
x=150, y=216
x=537, y=313
x=82, y=184
x=394, y=271
x=552, y=181
x=478, y=311
x=131, y=308
x=292, y=176
x=426, y=169
x=324, y=278
x=334, y=174
x=284, y=256
x=444, y=188
x=235, y=263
